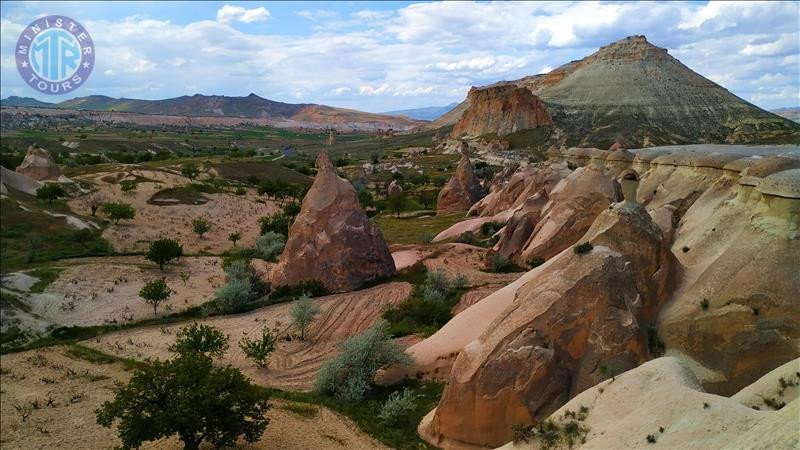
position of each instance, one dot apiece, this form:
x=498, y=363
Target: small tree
x=155, y=292
x=200, y=226
x=270, y=245
x=116, y=211
x=50, y=192
x=397, y=203
x=163, y=251
x=94, y=201
x=260, y=349
x=200, y=338
x=303, y=312
x=127, y=186
x=190, y=171
x=234, y=237
x=188, y=396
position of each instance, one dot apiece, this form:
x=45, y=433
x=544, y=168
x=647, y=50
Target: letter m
x=22, y=50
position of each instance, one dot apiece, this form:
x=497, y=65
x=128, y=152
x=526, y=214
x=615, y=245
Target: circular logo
x=54, y=55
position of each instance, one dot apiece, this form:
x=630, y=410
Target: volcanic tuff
x=39, y=165
x=462, y=191
x=636, y=91
x=501, y=110
x=332, y=240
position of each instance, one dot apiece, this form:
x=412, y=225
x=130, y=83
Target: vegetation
x=234, y=237
x=270, y=245
x=200, y=338
x=704, y=304
x=45, y=276
x=50, y=192
x=303, y=312
x=259, y=350
x=243, y=288
x=163, y=251
x=398, y=407
x=397, y=203
x=190, y=397
x=429, y=306
x=501, y=264
x=561, y=432
x=349, y=376
x=581, y=249
x=190, y=171
x=155, y=292
x=311, y=288
x=116, y=211
x=200, y=226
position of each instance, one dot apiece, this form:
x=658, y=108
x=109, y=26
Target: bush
x=234, y=237
x=433, y=295
x=277, y=223
x=240, y=191
x=292, y=209
x=581, y=249
x=398, y=407
x=163, y=251
x=116, y=211
x=190, y=171
x=427, y=237
x=231, y=297
x=501, y=264
x=50, y=192
x=200, y=338
x=437, y=279
x=270, y=245
x=429, y=306
x=303, y=312
x=259, y=350
x=349, y=375
x=155, y=292
x=310, y=288
x=459, y=282
x=490, y=228
x=200, y=226
x=536, y=262
x=467, y=237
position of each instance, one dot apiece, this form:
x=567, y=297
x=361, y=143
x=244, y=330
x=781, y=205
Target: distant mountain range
x=425, y=113
x=791, y=113
x=629, y=91
x=249, y=107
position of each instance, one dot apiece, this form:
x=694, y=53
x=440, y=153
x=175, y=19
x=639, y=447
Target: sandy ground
x=227, y=214
x=294, y=363
x=97, y=291
x=77, y=388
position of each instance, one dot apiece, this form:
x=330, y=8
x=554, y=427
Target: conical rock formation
x=462, y=191
x=39, y=165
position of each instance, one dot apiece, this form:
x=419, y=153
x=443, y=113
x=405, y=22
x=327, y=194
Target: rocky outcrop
x=462, y=191
x=576, y=320
x=524, y=183
x=394, y=188
x=39, y=165
x=332, y=240
x=18, y=181
x=501, y=110
x=675, y=414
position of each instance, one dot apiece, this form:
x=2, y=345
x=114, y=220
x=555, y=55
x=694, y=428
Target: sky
x=382, y=56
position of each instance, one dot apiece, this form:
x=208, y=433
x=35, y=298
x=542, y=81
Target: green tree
x=200, y=226
x=259, y=350
x=116, y=211
x=190, y=171
x=190, y=397
x=303, y=312
x=50, y=192
x=234, y=237
x=155, y=292
x=163, y=251
x=202, y=339
x=397, y=203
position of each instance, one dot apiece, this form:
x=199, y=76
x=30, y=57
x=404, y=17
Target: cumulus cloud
x=230, y=13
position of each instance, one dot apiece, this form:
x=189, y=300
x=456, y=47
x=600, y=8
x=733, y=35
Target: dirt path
x=294, y=363
x=77, y=388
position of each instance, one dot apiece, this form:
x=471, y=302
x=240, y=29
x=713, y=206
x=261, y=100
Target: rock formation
x=332, y=240
x=39, y=165
x=501, y=110
x=462, y=191
x=394, y=188
x=576, y=320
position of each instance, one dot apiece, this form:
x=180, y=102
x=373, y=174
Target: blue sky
x=379, y=56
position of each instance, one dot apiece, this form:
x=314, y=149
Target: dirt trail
x=294, y=363
x=78, y=388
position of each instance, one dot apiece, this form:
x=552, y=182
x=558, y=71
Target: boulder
x=580, y=318
x=39, y=165
x=332, y=240
x=501, y=110
x=462, y=191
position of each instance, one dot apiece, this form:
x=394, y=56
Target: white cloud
x=370, y=90
x=341, y=90
x=546, y=69
x=230, y=13
x=108, y=72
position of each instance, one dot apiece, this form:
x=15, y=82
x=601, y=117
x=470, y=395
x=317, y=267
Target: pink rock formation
x=332, y=240
x=39, y=165
x=501, y=110
x=462, y=191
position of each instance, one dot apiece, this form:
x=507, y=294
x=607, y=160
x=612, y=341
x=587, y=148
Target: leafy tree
x=426, y=198
x=190, y=397
x=200, y=226
x=50, y=192
x=162, y=251
x=303, y=312
x=365, y=198
x=117, y=211
x=127, y=186
x=234, y=237
x=292, y=209
x=155, y=292
x=397, y=202
x=202, y=339
x=190, y=171
x=349, y=375
x=279, y=223
x=259, y=350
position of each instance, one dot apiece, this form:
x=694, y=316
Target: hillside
x=791, y=113
x=637, y=93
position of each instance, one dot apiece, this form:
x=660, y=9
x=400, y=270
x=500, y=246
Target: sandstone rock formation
x=462, y=191
x=663, y=399
x=573, y=322
x=18, y=181
x=332, y=240
x=394, y=188
x=501, y=110
x=39, y=165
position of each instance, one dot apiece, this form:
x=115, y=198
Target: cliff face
x=501, y=110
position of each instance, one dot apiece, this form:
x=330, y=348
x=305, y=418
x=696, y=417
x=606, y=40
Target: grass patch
x=301, y=409
x=93, y=356
x=413, y=230
x=46, y=275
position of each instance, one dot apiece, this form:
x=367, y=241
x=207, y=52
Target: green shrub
x=427, y=237
x=200, y=338
x=234, y=237
x=311, y=288
x=501, y=264
x=163, y=251
x=200, y=226
x=581, y=249
x=278, y=223
x=270, y=245
x=490, y=228
x=303, y=312
x=231, y=297
x=50, y=192
x=240, y=191
x=536, y=262
x=155, y=292
x=291, y=209
x=349, y=375
x=437, y=279
x=259, y=350
x=432, y=295
x=116, y=211
x=398, y=407
x=467, y=237
x=704, y=304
